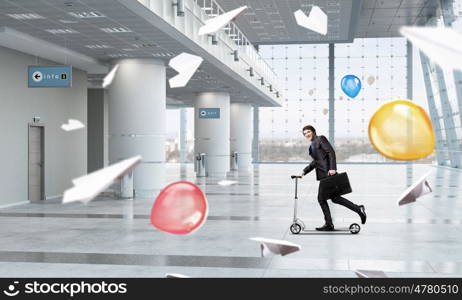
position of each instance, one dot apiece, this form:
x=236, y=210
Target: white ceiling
x=383, y=18
x=272, y=21
x=142, y=41
x=265, y=22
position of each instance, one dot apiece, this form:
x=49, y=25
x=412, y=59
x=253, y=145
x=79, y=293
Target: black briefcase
x=336, y=185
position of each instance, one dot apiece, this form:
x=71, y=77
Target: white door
x=36, y=186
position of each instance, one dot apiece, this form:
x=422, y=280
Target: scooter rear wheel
x=295, y=228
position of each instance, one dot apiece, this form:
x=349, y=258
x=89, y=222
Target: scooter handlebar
x=295, y=176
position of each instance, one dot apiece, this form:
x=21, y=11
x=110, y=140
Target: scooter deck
x=341, y=229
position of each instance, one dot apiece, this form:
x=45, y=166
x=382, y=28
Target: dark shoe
x=362, y=214
x=326, y=227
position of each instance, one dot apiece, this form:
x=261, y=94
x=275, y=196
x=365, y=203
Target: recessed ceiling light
x=25, y=16
x=128, y=49
x=115, y=30
x=61, y=31
x=144, y=45
x=86, y=14
x=161, y=54
x=118, y=55
x=68, y=21
x=98, y=46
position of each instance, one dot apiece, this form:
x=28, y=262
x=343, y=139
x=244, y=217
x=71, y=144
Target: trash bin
x=200, y=165
x=234, y=161
x=126, y=186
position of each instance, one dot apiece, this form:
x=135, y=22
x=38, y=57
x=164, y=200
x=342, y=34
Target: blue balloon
x=351, y=85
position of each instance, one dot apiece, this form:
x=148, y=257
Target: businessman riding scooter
x=332, y=184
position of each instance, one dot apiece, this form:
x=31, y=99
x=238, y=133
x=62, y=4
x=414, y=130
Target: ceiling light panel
x=118, y=55
x=144, y=45
x=61, y=31
x=115, y=30
x=68, y=21
x=98, y=46
x=26, y=16
x=86, y=15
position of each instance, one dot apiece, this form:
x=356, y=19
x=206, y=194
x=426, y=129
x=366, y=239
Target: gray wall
x=96, y=129
x=65, y=152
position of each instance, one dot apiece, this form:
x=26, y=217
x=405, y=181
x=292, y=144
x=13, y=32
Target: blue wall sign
x=50, y=76
x=209, y=113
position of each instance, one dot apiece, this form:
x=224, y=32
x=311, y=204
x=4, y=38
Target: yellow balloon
x=402, y=130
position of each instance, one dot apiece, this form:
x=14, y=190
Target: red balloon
x=180, y=208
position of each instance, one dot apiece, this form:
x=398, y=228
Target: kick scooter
x=298, y=225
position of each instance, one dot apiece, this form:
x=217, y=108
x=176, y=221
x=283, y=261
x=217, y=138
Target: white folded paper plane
x=370, y=274
x=316, y=21
x=72, y=124
x=215, y=24
x=174, y=275
x=88, y=187
x=417, y=189
x=186, y=65
x=442, y=45
x=110, y=77
x=281, y=247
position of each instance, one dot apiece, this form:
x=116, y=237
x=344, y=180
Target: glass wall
x=172, y=136
x=444, y=85
x=380, y=63
x=303, y=74
x=381, y=66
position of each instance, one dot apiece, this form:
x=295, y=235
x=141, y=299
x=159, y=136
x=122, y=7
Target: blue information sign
x=209, y=113
x=50, y=76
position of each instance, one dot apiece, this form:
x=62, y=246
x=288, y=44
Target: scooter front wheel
x=295, y=228
x=355, y=228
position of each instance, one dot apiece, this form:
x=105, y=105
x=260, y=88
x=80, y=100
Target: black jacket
x=323, y=157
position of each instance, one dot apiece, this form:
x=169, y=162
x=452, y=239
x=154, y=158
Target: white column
x=241, y=134
x=211, y=131
x=137, y=109
x=183, y=135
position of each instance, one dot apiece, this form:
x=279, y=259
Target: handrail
x=237, y=35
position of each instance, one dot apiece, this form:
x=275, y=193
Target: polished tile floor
x=113, y=238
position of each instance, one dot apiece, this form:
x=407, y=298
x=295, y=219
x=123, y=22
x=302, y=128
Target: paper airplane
x=215, y=24
x=72, y=124
x=226, y=182
x=442, y=45
x=370, y=274
x=281, y=247
x=417, y=189
x=174, y=275
x=110, y=77
x=89, y=186
x=316, y=21
x=186, y=65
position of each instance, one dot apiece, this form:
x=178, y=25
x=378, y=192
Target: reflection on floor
x=113, y=238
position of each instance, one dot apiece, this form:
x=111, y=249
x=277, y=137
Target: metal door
x=36, y=163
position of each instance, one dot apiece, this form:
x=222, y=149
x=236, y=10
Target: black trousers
x=322, y=199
